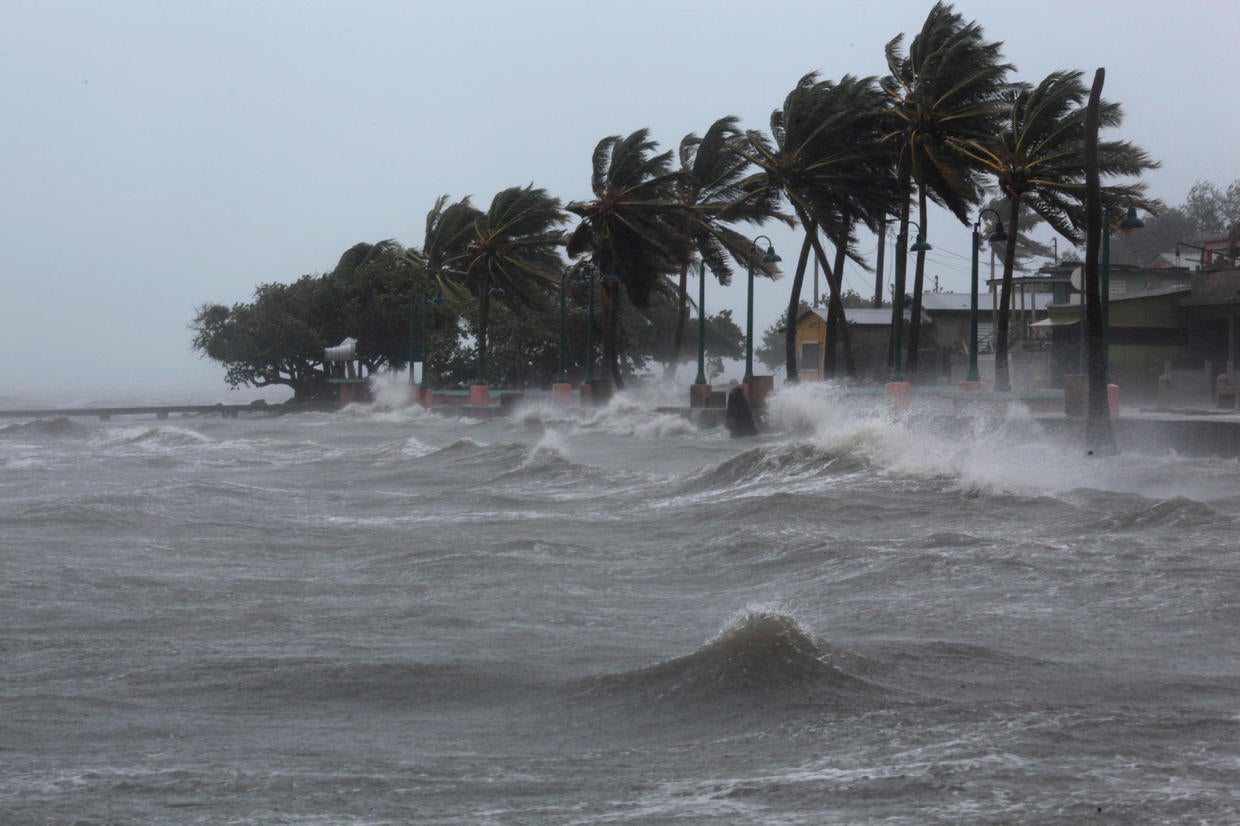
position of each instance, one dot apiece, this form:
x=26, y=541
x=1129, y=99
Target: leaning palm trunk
x=682, y=319
x=836, y=319
x=1003, y=378
x=1099, y=438
x=792, y=375
x=841, y=248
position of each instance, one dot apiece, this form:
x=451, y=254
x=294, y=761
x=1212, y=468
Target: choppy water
x=611, y=617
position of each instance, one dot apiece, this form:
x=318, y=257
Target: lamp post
x=897, y=300
x=561, y=376
x=413, y=319
x=701, y=374
x=588, y=283
x=997, y=235
x=432, y=297
x=1130, y=221
x=769, y=258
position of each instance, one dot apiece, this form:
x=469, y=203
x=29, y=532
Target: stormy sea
x=596, y=616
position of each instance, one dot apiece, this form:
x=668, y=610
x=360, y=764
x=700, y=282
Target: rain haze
x=158, y=156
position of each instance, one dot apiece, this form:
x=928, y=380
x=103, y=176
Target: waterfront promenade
x=1196, y=430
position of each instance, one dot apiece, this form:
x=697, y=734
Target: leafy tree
x=631, y=229
x=1038, y=159
x=1214, y=213
x=279, y=337
x=943, y=91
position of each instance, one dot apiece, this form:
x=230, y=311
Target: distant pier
x=227, y=411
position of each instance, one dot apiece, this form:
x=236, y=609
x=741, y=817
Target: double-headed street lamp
x=997, y=235
x=769, y=258
x=588, y=282
x=897, y=300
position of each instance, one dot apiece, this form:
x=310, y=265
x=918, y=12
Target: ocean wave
x=58, y=427
x=759, y=653
x=770, y=463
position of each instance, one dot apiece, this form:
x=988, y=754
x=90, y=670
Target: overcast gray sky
x=159, y=155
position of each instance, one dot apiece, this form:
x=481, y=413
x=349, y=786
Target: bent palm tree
x=714, y=189
x=631, y=229
x=945, y=90
x=1039, y=161
x=514, y=254
x=826, y=157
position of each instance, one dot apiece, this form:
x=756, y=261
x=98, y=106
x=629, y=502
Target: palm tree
x=825, y=155
x=714, y=188
x=509, y=251
x=631, y=228
x=1038, y=159
x=514, y=255
x=944, y=90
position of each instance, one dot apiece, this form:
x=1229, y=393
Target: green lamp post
x=561, y=374
x=769, y=258
x=701, y=373
x=432, y=297
x=997, y=235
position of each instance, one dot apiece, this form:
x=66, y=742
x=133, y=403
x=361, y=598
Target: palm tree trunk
x=1099, y=437
x=841, y=248
x=919, y=277
x=791, y=374
x=1003, y=378
x=682, y=318
x=836, y=320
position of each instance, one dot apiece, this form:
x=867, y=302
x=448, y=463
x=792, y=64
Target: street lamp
x=897, y=300
x=769, y=258
x=701, y=374
x=588, y=282
x=1130, y=221
x=997, y=235
x=561, y=376
x=432, y=297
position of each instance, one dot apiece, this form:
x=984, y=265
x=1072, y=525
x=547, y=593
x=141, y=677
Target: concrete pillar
x=479, y=395
x=562, y=392
x=899, y=394
x=699, y=394
x=973, y=386
x=1113, y=400
x=758, y=389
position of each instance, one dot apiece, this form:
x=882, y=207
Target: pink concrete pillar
x=899, y=394
x=562, y=392
x=1113, y=400
x=973, y=386
x=480, y=395
x=698, y=395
